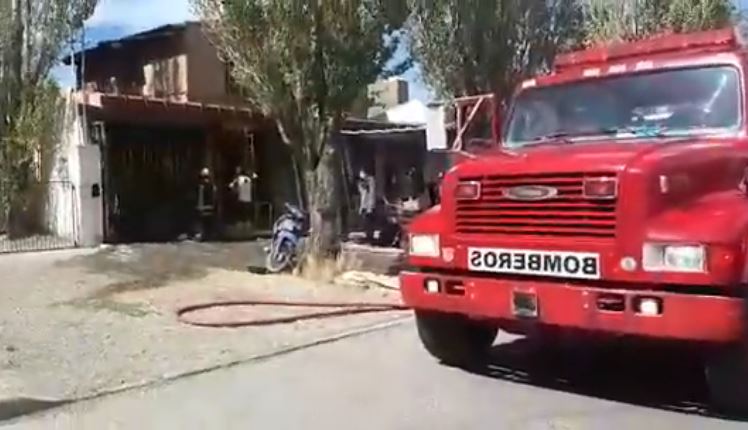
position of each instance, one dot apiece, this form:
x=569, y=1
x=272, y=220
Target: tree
x=303, y=63
x=33, y=34
x=621, y=20
x=468, y=47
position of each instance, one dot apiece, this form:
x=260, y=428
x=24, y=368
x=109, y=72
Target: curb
x=16, y=407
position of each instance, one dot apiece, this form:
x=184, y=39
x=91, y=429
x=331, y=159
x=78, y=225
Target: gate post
x=89, y=191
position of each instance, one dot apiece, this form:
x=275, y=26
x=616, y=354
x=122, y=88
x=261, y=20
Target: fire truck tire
x=455, y=340
x=727, y=379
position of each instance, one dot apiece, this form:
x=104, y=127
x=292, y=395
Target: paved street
x=384, y=380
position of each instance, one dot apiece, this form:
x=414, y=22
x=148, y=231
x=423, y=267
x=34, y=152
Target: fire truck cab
x=613, y=202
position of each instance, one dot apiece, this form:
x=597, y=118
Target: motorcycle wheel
x=279, y=260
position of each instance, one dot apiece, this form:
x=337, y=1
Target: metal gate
x=151, y=181
x=42, y=217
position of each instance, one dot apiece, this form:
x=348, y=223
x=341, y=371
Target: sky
x=117, y=18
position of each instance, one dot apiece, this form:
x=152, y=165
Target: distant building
x=386, y=94
x=412, y=112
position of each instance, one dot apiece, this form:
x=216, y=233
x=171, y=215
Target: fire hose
x=339, y=309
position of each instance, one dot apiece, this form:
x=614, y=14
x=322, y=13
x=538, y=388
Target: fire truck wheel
x=727, y=378
x=454, y=339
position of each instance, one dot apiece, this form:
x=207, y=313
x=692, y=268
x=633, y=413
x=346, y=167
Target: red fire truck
x=613, y=201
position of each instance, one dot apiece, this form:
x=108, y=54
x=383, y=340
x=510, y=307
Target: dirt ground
x=77, y=323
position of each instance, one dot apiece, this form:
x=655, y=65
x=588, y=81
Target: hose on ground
x=339, y=309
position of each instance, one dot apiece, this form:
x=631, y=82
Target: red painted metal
x=723, y=47
x=569, y=214
x=575, y=307
x=706, y=41
x=683, y=190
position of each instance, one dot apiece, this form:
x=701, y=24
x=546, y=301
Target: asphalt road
x=384, y=380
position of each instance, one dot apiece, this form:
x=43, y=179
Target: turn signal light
x=600, y=188
x=467, y=191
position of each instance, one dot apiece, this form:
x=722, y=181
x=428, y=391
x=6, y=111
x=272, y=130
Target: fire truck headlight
x=424, y=245
x=674, y=258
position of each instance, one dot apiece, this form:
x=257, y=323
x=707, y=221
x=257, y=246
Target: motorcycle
x=391, y=231
x=287, y=241
x=396, y=213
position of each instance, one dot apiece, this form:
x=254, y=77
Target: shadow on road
x=669, y=378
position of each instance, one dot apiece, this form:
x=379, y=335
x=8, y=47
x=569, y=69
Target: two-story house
x=162, y=106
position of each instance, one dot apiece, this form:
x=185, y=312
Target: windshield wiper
x=567, y=138
x=639, y=131
x=557, y=137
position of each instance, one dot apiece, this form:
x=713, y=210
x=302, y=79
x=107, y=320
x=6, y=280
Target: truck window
x=673, y=102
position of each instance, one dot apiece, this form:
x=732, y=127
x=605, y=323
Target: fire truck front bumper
x=636, y=312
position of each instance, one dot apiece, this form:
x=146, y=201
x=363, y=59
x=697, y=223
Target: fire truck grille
x=569, y=213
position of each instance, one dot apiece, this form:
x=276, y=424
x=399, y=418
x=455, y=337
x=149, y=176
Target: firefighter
x=206, y=205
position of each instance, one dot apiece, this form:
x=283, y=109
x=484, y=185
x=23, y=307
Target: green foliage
x=479, y=46
x=33, y=34
x=34, y=135
x=621, y=20
x=29, y=147
x=690, y=15
x=304, y=62
x=468, y=47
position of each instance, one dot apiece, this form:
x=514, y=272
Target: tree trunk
x=300, y=181
x=322, y=186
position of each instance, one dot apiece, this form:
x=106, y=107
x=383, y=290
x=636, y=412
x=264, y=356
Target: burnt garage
x=152, y=154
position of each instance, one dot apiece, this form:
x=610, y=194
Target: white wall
x=413, y=112
x=77, y=169
x=91, y=222
x=436, y=127
x=62, y=206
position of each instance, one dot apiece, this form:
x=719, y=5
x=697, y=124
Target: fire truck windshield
x=677, y=102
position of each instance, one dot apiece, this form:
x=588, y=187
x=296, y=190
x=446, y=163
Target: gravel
x=77, y=323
